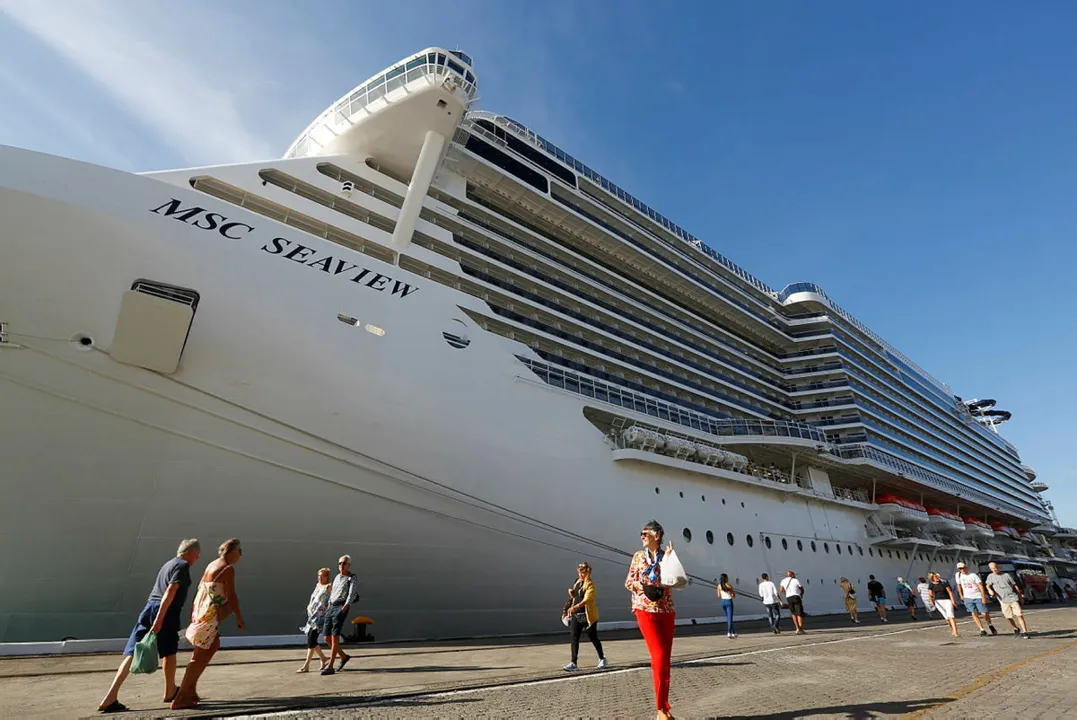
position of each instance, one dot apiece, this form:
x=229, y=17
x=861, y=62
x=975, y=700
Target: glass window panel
x=456, y=67
x=441, y=59
x=416, y=63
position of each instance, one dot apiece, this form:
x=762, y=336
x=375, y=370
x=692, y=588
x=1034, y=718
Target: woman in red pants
x=652, y=604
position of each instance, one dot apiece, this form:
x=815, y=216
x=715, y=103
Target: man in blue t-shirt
x=161, y=615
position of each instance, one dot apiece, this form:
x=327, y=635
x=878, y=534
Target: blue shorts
x=167, y=639
x=975, y=605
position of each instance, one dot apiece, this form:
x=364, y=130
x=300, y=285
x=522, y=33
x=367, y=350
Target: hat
x=961, y=564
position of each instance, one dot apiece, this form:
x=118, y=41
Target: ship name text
x=200, y=218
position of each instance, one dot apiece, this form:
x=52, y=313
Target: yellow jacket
x=589, y=605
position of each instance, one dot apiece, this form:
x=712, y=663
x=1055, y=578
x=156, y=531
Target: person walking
x=345, y=591
x=924, y=590
x=768, y=592
x=652, y=604
x=941, y=596
x=1010, y=596
x=316, y=606
x=726, y=593
x=971, y=590
x=582, y=594
x=215, y=600
x=849, y=591
x=160, y=615
x=906, y=597
x=794, y=598
x=877, y=595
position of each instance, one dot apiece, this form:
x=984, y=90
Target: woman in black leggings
x=583, y=615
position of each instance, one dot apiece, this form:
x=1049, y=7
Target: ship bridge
x=399, y=121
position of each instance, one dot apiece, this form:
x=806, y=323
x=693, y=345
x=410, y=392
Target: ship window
x=416, y=63
x=441, y=59
x=710, y=538
x=430, y=58
x=748, y=539
x=394, y=72
x=729, y=539
x=723, y=501
x=656, y=491
x=766, y=541
x=800, y=546
x=826, y=546
x=687, y=535
x=871, y=552
x=861, y=550
x=851, y=550
x=703, y=498
x=813, y=546
x=470, y=78
x=681, y=493
x=838, y=548
x=785, y=544
x=458, y=69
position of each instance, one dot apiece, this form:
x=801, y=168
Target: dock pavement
x=836, y=670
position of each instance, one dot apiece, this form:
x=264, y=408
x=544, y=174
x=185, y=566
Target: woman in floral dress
x=319, y=600
x=215, y=600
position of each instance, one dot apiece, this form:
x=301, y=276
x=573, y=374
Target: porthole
x=766, y=541
x=681, y=493
x=737, y=581
x=800, y=546
x=742, y=504
x=656, y=491
x=813, y=546
x=710, y=538
x=82, y=343
x=850, y=549
x=860, y=550
x=748, y=539
x=838, y=547
x=687, y=535
x=807, y=581
x=729, y=539
x=871, y=552
x=703, y=498
x=826, y=546
x=785, y=544
x=890, y=554
x=723, y=501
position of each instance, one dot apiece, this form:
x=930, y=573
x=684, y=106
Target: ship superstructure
x=431, y=337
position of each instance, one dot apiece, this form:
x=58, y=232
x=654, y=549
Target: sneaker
x=993, y=630
x=329, y=671
x=732, y=635
x=983, y=633
x=570, y=667
x=602, y=664
x=1024, y=636
x=1016, y=633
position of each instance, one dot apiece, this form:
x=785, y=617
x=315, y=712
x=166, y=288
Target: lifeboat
x=1026, y=536
x=944, y=521
x=977, y=528
x=1004, y=531
x=900, y=511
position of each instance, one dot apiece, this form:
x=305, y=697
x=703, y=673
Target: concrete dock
x=840, y=670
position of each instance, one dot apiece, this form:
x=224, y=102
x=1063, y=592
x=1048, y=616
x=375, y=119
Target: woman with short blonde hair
x=319, y=601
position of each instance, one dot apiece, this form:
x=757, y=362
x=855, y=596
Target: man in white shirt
x=794, y=597
x=971, y=589
x=768, y=591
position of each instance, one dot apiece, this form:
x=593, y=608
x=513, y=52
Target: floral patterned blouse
x=319, y=600
x=644, y=569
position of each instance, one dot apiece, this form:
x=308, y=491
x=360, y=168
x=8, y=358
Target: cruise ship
x=430, y=338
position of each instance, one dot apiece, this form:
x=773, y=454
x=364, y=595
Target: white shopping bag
x=673, y=574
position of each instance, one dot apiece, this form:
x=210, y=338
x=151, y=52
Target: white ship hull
x=464, y=489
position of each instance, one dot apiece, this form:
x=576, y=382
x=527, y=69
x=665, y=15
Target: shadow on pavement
x=866, y=711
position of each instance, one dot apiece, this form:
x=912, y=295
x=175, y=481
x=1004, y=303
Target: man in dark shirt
x=162, y=615
x=877, y=595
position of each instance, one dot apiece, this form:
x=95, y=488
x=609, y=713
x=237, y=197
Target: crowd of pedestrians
x=652, y=603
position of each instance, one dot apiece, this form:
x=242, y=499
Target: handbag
x=145, y=657
x=673, y=574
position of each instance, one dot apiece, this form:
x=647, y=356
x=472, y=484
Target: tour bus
x=1029, y=575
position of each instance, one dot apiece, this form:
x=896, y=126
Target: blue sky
x=917, y=160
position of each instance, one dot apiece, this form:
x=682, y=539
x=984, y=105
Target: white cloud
x=191, y=110
x=62, y=116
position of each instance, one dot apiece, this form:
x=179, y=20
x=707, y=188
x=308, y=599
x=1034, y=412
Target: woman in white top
x=726, y=593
